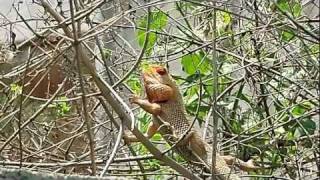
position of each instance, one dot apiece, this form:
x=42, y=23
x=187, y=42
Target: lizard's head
x=159, y=84
x=157, y=74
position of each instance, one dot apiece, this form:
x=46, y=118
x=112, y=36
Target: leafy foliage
x=267, y=55
x=61, y=107
x=15, y=89
x=196, y=61
x=255, y=98
x=158, y=21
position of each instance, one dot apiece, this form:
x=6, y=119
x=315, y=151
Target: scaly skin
x=165, y=103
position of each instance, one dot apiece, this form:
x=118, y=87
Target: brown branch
x=77, y=48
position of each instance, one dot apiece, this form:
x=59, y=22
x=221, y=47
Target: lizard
x=165, y=103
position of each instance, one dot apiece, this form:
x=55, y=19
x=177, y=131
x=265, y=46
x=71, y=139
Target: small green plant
x=62, y=107
x=107, y=53
x=15, y=89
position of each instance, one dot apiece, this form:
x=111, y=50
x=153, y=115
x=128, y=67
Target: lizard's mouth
x=150, y=79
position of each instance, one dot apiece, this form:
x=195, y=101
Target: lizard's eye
x=161, y=71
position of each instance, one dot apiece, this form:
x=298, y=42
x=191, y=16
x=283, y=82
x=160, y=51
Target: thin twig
x=77, y=58
x=214, y=92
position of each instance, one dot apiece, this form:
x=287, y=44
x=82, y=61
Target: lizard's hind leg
x=129, y=137
x=198, y=146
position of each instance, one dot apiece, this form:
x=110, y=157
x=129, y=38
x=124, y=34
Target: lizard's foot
x=133, y=98
x=128, y=137
x=249, y=166
x=168, y=132
x=166, y=128
x=245, y=166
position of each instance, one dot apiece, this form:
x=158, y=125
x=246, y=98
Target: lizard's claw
x=127, y=137
x=250, y=166
x=168, y=130
x=133, y=98
x=166, y=127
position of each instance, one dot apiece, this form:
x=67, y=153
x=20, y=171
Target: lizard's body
x=166, y=105
x=179, y=127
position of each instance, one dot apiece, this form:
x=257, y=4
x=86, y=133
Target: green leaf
x=308, y=126
x=61, y=108
x=196, y=61
x=315, y=49
x=236, y=127
x=134, y=83
x=151, y=40
x=189, y=63
x=155, y=164
x=158, y=21
x=191, y=95
x=208, y=88
x=283, y=5
x=16, y=89
x=226, y=17
x=296, y=10
x=156, y=137
x=287, y=35
x=298, y=110
x=272, y=156
x=290, y=135
x=107, y=53
x=143, y=119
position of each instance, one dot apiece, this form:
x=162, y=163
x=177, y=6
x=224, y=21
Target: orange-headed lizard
x=164, y=101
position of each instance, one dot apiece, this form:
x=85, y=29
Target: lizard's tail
x=221, y=167
x=204, y=152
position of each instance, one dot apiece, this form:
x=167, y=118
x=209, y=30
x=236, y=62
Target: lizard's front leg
x=152, y=108
x=245, y=166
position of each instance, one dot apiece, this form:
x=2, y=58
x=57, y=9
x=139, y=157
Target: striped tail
x=221, y=169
